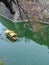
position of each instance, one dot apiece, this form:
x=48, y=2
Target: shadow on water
x=23, y=29
x=10, y=39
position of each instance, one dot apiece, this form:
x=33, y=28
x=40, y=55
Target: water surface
x=28, y=50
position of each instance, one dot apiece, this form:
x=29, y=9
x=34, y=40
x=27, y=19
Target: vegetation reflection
x=39, y=34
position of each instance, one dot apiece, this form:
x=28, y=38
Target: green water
x=28, y=50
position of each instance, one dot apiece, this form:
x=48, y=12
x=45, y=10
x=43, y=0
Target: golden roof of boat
x=10, y=32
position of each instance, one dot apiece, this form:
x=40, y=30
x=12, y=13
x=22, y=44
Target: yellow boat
x=11, y=34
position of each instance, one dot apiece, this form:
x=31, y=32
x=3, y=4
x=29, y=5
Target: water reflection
x=24, y=31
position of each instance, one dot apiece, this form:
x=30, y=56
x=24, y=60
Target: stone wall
x=4, y=11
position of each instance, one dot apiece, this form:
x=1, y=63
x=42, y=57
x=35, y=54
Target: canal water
x=26, y=50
